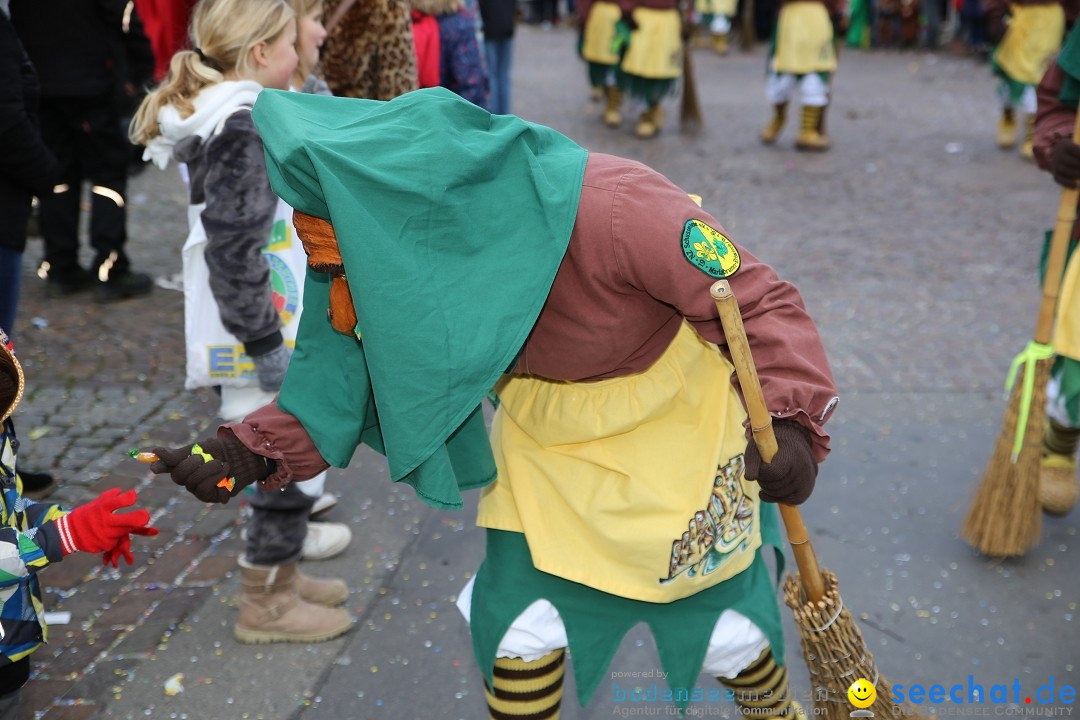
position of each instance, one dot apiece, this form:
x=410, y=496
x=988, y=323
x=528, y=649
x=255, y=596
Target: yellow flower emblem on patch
x=709, y=250
x=706, y=251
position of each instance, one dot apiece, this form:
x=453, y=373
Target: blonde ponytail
x=188, y=74
x=222, y=33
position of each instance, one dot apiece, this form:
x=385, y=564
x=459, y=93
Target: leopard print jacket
x=369, y=54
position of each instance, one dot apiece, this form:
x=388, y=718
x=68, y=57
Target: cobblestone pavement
x=914, y=242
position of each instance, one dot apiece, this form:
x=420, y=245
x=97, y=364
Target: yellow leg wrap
x=527, y=690
x=1027, y=147
x=810, y=135
x=761, y=690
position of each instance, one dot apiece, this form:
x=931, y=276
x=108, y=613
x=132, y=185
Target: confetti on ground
x=174, y=685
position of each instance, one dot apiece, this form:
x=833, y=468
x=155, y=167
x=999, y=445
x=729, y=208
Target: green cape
x=452, y=223
x=1069, y=61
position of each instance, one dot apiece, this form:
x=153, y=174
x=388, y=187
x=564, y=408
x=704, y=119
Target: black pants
x=85, y=135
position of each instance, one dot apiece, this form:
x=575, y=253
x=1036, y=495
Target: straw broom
x=1005, y=518
x=833, y=647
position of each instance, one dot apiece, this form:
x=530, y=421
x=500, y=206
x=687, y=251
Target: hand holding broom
x=833, y=647
x=762, y=430
x=1005, y=517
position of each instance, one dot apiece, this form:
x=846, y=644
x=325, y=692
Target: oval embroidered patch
x=709, y=250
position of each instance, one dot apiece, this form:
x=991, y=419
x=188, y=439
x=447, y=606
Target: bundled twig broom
x=1005, y=518
x=833, y=647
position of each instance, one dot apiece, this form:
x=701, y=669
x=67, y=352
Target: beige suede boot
x=329, y=592
x=271, y=609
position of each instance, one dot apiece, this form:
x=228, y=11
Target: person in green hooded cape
x=455, y=254
x=1057, y=96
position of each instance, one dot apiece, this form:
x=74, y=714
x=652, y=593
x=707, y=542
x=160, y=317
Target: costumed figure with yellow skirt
x=1057, y=97
x=651, y=57
x=715, y=16
x=598, y=47
x=1028, y=43
x=618, y=481
x=803, y=56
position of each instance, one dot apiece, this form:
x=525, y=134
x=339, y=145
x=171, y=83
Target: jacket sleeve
x=275, y=434
x=648, y=219
x=29, y=542
x=1053, y=119
x=239, y=215
x=24, y=159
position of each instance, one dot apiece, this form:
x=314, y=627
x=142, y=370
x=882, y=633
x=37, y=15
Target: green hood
x=1069, y=60
x=452, y=223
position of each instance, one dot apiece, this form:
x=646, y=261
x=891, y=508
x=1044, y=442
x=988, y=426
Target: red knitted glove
x=97, y=527
x=122, y=549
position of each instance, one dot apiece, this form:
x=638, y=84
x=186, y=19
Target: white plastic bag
x=214, y=355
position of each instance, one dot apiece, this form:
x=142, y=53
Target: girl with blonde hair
x=200, y=115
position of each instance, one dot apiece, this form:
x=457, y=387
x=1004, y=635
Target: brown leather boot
x=271, y=609
x=810, y=136
x=772, y=130
x=329, y=592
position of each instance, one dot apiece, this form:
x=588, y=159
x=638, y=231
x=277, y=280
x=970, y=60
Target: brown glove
x=790, y=477
x=215, y=469
x=1065, y=162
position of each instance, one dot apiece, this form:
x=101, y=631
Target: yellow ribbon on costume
x=1030, y=355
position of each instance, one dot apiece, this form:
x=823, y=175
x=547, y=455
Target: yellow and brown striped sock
x=527, y=690
x=761, y=690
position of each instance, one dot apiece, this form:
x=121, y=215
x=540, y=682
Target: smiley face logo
x=862, y=693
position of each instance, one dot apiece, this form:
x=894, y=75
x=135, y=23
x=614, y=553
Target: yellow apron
x=804, y=40
x=600, y=34
x=716, y=7
x=1067, y=322
x=1031, y=41
x=633, y=486
x=655, y=49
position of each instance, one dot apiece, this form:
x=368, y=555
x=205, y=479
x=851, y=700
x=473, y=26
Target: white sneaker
x=323, y=504
x=325, y=540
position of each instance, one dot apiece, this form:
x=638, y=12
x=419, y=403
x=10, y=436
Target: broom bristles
x=836, y=654
x=1005, y=518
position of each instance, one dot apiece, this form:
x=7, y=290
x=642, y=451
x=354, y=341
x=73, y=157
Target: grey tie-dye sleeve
x=239, y=215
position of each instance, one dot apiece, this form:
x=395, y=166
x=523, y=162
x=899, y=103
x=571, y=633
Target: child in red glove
x=37, y=534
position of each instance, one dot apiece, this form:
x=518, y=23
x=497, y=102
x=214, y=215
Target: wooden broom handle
x=1055, y=261
x=761, y=426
